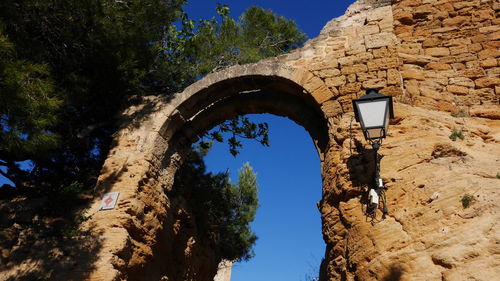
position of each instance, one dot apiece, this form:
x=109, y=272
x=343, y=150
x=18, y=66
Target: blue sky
x=290, y=245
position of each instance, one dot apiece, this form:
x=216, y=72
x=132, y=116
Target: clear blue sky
x=288, y=224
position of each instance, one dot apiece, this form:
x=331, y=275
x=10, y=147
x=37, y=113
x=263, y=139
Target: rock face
x=440, y=61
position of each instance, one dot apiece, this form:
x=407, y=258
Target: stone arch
x=150, y=147
x=239, y=90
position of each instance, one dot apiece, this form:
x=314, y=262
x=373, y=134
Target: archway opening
x=200, y=110
x=288, y=223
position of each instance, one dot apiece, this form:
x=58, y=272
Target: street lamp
x=373, y=111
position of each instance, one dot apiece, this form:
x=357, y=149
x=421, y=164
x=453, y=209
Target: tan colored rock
x=459, y=90
x=437, y=52
x=461, y=81
x=455, y=21
x=438, y=66
x=383, y=39
x=489, y=63
x=487, y=82
x=353, y=69
x=384, y=63
x=335, y=81
x=350, y=88
x=375, y=83
x=489, y=53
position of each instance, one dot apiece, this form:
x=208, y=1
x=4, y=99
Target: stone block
x=466, y=4
x=456, y=50
x=408, y=3
x=322, y=94
x=356, y=68
x=331, y=108
x=494, y=36
x=489, y=29
x=412, y=88
x=487, y=63
x=457, y=42
x=489, y=53
x=445, y=29
x=431, y=42
x=380, y=40
x=494, y=71
x=375, y=83
x=335, y=81
x=350, y=88
x=351, y=78
x=478, y=38
x=383, y=63
x=466, y=57
x=437, y=52
x=487, y=82
x=472, y=72
x=482, y=15
x=313, y=83
x=412, y=74
x=379, y=13
x=455, y=21
x=328, y=72
x=393, y=77
x=446, y=106
x=348, y=60
x=408, y=48
x=461, y=81
x=382, y=74
x=459, y=90
x=363, y=76
x=474, y=48
x=392, y=91
x=438, y=66
x=386, y=25
x=417, y=59
x=367, y=29
x=403, y=31
x=458, y=66
x=491, y=44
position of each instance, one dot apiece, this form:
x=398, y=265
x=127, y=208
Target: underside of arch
x=242, y=95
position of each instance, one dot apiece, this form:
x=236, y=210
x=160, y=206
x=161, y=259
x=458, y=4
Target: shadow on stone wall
x=395, y=273
x=34, y=246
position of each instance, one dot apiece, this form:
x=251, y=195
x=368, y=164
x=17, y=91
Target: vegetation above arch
x=67, y=67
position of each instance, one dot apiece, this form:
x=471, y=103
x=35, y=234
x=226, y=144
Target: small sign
x=108, y=201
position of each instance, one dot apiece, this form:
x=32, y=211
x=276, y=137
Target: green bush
x=222, y=210
x=456, y=134
x=467, y=200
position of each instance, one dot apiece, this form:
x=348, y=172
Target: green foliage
x=223, y=210
x=28, y=110
x=67, y=67
x=258, y=34
x=456, y=134
x=498, y=175
x=238, y=128
x=467, y=200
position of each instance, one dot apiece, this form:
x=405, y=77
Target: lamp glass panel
x=374, y=133
x=373, y=113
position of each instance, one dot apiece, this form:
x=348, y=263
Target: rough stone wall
x=433, y=56
x=450, y=54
